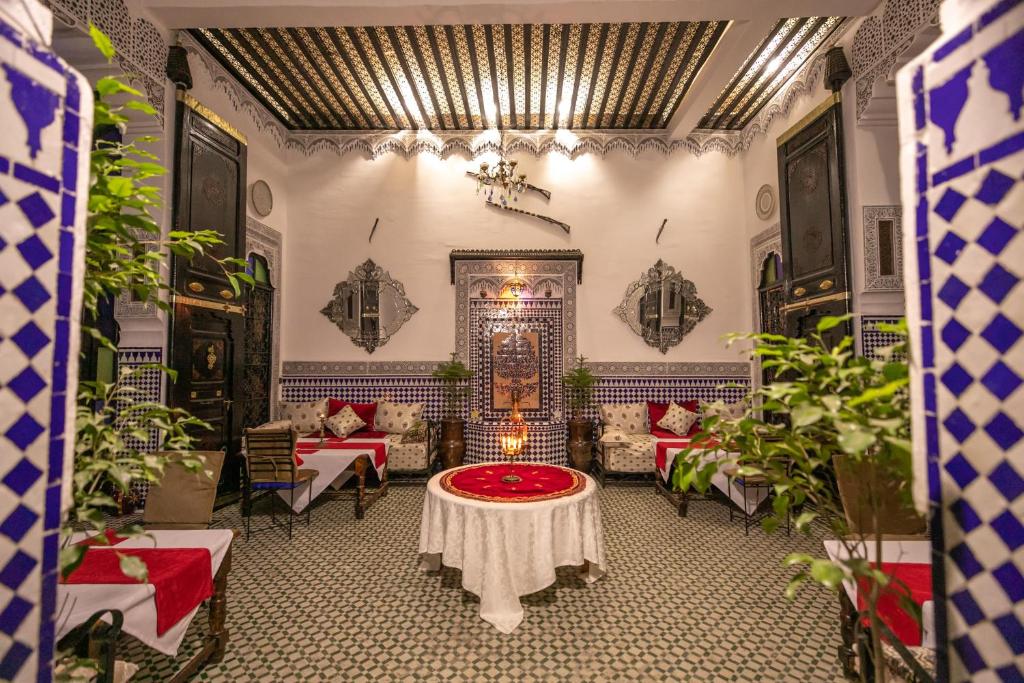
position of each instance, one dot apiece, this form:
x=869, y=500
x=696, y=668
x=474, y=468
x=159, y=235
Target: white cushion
x=397, y=418
x=273, y=425
x=677, y=419
x=614, y=435
x=304, y=416
x=344, y=422
x=629, y=417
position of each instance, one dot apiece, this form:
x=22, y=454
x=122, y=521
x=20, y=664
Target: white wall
x=428, y=207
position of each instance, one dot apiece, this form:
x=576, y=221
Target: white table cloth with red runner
x=665, y=452
x=136, y=601
x=332, y=460
x=509, y=549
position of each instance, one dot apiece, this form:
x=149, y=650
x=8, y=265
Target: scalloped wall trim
x=471, y=143
x=294, y=368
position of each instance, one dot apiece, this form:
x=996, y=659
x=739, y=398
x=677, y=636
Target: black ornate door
x=814, y=227
x=207, y=321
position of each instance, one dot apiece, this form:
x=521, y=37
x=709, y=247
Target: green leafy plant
x=124, y=251
x=827, y=406
x=579, y=387
x=455, y=386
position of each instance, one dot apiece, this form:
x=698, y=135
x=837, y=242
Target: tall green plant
x=455, y=386
x=124, y=251
x=579, y=387
x=825, y=402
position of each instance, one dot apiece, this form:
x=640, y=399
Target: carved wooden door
x=814, y=228
x=254, y=404
x=207, y=323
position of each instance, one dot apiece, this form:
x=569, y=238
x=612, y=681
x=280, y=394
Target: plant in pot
x=832, y=438
x=579, y=394
x=455, y=391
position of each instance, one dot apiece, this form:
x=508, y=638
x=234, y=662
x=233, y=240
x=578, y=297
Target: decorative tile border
x=731, y=369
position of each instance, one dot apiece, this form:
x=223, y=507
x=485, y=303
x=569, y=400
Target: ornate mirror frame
x=364, y=326
x=693, y=308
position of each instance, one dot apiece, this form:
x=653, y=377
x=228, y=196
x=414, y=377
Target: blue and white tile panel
x=962, y=163
x=148, y=382
x=46, y=115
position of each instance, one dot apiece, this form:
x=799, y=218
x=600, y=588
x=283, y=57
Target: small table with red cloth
x=906, y=560
x=336, y=460
x=508, y=538
x=159, y=621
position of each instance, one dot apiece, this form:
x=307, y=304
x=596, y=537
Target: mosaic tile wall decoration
x=962, y=168
x=871, y=338
x=46, y=113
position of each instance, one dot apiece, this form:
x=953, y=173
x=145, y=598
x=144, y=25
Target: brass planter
x=453, y=443
x=581, y=444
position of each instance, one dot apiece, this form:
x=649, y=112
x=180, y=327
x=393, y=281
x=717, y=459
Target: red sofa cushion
x=366, y=411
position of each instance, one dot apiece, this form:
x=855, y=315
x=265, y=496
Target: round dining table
x=508, y=537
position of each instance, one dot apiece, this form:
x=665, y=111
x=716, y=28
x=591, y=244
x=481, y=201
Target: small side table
x=747, y=485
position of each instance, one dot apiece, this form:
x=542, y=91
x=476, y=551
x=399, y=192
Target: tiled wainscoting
x=410, y=382
x=871, y=338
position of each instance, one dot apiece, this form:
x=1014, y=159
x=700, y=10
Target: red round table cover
x=539, y=482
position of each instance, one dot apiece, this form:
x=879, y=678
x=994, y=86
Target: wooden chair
x=184, y=499
x=270, y=466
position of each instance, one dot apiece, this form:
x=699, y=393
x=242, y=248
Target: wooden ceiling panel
x=510, y=76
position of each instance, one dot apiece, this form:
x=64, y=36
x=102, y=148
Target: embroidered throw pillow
x=304, y=415
x=344, y=422
x=416, y=434
x=397, y=418
x=678, y=420
x=366, y=411
x=629, y=417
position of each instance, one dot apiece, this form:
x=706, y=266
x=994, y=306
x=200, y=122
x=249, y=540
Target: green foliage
x=579, y=386
x=455, y=386
x=124, y=252
x=825, y=402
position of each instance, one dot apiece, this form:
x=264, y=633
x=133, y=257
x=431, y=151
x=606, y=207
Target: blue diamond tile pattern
x=967, y=179
x=39, y=155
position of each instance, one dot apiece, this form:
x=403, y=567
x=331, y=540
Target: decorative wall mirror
x=369, y=306
x=662, y=307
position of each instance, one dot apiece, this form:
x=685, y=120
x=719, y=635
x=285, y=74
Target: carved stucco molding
x=141, y=48
x=293, y=370
x=873, y=280
x=882, y=39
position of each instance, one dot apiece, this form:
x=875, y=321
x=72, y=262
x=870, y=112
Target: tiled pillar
x=962, y=171
x=46, y=119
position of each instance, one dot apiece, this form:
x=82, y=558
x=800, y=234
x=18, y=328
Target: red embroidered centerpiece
x=539, y=482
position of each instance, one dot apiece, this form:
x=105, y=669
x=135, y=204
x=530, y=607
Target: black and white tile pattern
x=685, y=599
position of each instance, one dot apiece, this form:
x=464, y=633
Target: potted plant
x=832, y=437
x=455, y=390
x=579, y=393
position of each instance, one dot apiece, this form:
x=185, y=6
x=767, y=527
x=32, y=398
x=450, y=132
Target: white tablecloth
x=506, y=550
x=911, y=552
x=332, y=466
x=77, y=602
x=744, y=500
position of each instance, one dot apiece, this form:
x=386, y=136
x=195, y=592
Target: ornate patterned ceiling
x=510, y=76
x=782, y=52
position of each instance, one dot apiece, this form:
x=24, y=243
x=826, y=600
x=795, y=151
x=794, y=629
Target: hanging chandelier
x=503, y=177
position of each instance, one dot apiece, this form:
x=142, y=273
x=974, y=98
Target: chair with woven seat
x=184, y=499
x=270, y=466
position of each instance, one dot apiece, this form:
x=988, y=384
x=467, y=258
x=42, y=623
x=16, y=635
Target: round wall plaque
x=764, y=205
x=262, y=197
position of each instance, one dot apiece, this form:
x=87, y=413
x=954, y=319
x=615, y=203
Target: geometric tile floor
x=684, y=600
